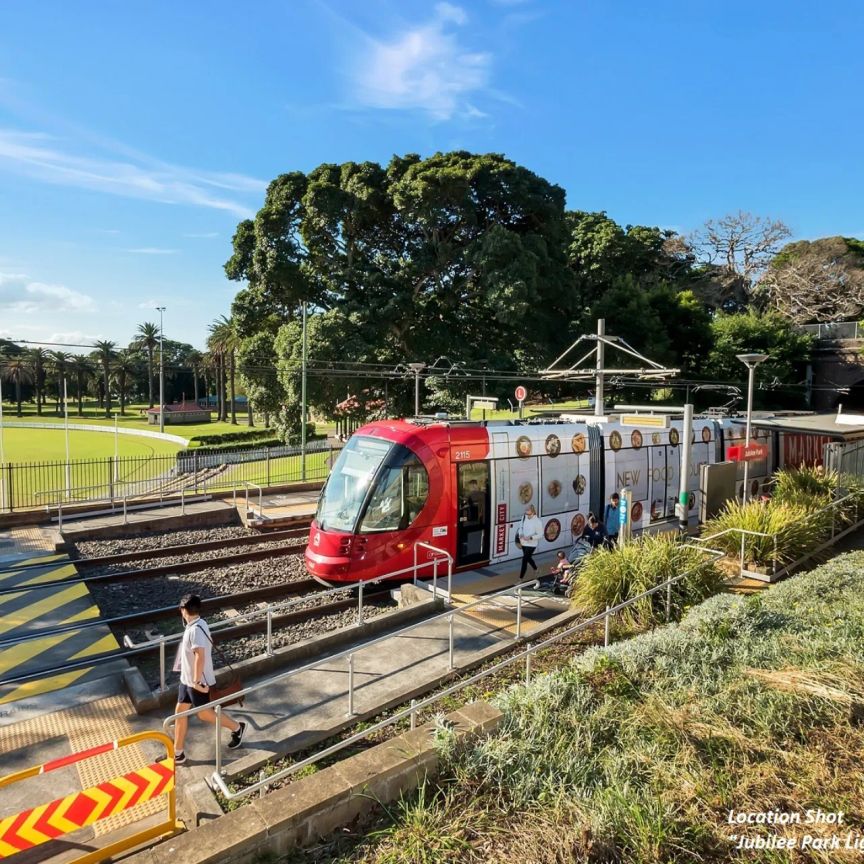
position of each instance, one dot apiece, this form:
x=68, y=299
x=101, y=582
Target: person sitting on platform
x=595, y=532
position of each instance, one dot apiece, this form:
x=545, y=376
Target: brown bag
x=235, y=685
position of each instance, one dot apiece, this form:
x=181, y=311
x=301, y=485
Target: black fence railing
x=26, y=485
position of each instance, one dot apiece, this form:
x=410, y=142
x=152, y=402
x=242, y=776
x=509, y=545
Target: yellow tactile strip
x=31, y=538
x=497, y=615
x=86, y=726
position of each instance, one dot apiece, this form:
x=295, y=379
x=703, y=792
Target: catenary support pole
x=683, y=480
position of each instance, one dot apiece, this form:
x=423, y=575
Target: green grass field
x=132, y=419
x=45, y=445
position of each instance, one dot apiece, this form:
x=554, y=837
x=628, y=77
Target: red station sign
x=521, y=393
x=746, y=453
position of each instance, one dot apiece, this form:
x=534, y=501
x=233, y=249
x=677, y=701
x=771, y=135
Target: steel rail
x=225, y=635
x=188, y=548
x=164, y=569
x=289, y=589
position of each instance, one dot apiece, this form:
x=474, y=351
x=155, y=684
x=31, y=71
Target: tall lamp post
x=416, y=368
x=160, y=310
x=751, y=361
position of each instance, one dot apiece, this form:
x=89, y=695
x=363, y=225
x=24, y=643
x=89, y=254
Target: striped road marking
x=26, y=612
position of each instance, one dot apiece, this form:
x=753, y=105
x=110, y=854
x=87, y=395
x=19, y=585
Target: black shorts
x=190, y=696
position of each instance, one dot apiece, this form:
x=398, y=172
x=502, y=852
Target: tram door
x=472, y=484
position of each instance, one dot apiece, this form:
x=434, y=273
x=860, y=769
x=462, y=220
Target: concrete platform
x=201, y=514
x=280, y=510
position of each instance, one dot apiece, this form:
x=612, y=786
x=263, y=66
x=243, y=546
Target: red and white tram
x=464, y=486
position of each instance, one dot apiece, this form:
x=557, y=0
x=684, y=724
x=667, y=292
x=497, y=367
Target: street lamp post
x=751, y=361
x=303, y=403
x=160, y=310
x=416, y=368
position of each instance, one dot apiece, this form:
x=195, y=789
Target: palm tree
x=148, y=339
x=17, y=371
x=223, y=341
x=196, y=361
x=83, y=369
x=59, y=360
x=38, y=356
x=106, y=351
x=124, y=368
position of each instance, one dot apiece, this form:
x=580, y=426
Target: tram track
x=188, y=548
x=243, y=628
x=170, y=569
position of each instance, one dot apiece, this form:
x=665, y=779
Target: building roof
x=850, y=426
x=181, y=408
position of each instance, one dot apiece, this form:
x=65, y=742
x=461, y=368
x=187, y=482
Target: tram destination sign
x=746, y=452
x=653, y=421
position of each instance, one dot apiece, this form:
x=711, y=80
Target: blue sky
x=134, y=136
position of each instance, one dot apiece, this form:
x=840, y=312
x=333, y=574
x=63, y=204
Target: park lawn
x=132, y=419
x=507, y=414
x=44, y=445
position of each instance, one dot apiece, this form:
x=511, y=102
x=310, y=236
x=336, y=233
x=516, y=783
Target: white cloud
x=133, y=175
x=152, y=250
x=424, y=68
x=20, y=296
x=151, y=305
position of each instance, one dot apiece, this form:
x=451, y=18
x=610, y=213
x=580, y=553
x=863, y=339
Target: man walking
x=197, y=677
x=612, y=518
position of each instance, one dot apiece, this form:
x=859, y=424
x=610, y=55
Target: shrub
x=227, y=437
x=793, y=530
x=612, y=576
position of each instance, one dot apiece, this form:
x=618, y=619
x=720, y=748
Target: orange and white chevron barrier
x=62, y=816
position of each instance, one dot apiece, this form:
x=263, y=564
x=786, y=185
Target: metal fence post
x=195, y=469
x=518, y=613
x=10, y=502
x=350, y=685
x=218, y=731
x=450, y=655
x=435, y=579
x=112, y=478
x=269, y=631
x=267, y=463
x=741, y=565
x=162, y=687
x=528, y=665
x=606, y=629
x=360, y=604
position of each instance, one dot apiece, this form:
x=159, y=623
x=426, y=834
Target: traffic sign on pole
x=521, y=393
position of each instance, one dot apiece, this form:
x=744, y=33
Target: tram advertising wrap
x=464, y=487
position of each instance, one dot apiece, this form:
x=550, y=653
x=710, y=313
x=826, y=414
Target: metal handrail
x=247, y=484
x=437, y=555
x=219, y=782
x=348, y=652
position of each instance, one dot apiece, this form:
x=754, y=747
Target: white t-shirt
x=196, y=635
x=530, y=531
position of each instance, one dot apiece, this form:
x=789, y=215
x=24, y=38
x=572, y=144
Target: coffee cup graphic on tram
x=462, y=488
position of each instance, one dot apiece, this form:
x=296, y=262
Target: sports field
x=48, y=445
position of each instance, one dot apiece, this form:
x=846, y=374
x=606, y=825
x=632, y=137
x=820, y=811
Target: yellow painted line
x=46, y=685
x=46, y=559
x=105, y=643
x=24, y=651
x=34, y=611
x=57, y=573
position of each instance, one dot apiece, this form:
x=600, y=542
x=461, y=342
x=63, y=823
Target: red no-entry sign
x=746, y=453
x=521, y=393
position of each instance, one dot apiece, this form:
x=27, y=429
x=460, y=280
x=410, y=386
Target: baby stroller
x=563, y=582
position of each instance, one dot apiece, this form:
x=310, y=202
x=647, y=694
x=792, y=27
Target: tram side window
x=398, y=497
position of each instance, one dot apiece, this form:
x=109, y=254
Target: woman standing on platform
x=530, y=530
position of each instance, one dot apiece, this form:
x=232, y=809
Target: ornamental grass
x=777, y=534
x=612, y=576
